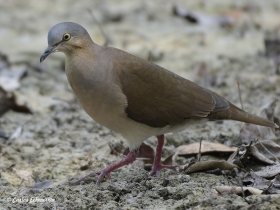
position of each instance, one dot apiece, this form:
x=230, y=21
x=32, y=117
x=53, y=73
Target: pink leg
x=157, y=165
x=131, y=156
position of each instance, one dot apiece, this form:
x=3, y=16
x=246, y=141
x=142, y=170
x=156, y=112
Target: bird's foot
x=131, y=156
x=101, y=174
x=157, y=167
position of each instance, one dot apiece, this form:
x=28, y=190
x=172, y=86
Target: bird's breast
x=99, y=95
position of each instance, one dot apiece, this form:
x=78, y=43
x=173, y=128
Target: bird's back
x=158, y=97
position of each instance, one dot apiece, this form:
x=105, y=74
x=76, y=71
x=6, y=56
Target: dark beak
x=47, y=52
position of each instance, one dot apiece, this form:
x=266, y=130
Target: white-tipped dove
x=135, y=97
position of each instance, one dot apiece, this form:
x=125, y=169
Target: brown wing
x=158, y=97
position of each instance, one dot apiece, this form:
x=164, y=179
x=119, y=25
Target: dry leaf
x=255, y=152
x=42, y=185
x=145, y=153
x=209, y=165
x=265, y=151
x=268, y=113
x=8, y=101
x=10, y=77
x=274, y=188
x=206, y=147
x=251, y=132
x=277, y=122
x=257, y=181
x=36, y=188
x=238, y=190
x=169, y=160
x=269, y=171
x=269, y=149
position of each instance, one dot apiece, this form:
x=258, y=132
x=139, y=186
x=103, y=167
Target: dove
x=135, y=97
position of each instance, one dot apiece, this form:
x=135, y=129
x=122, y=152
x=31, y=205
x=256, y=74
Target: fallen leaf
x=206, y=147
x=277, y=122
x=257, y=181
x=36, y=188
x=42, y=185
x=16, y=133
x=265, y=151
x=255, y=152
x=8, y=101
x=145, y=153
x=169, y=160
x=274, y=188
x=269, y=149
x=269, y=171
x=238, y=190
x=251, y=132
x=209, y=165
x=234, y=158
x=10, y=78
x=268, y=113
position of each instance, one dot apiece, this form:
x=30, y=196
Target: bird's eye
x=66, y=37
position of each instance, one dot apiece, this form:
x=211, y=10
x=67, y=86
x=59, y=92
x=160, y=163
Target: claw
x=157, y=165
x=156, y=171
x=131, y=156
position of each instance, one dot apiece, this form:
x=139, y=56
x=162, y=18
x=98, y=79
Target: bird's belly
x=106, y=108
x=115, y=119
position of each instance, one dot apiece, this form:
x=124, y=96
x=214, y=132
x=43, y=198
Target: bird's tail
x=234, y=113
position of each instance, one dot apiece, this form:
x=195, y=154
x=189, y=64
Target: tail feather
x=235, y=113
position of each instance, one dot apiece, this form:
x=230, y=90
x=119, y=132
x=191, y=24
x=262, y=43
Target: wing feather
x=158, y=97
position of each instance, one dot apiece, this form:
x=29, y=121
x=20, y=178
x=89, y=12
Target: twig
x=17, y=132
x=240, y=183
x=268, y=150
x=113, y=151
x=100, y=28
x=199, y=152
x=90, y=159
x=239, y=94
x=10, y=167
x=22, y=180
x=146, y=179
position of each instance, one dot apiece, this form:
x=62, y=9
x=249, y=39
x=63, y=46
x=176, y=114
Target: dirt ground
x=55, y=140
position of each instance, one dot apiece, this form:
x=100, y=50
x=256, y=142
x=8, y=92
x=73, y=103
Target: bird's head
x=66, y=37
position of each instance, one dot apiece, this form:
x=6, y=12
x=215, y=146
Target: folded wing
x=158, y=97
